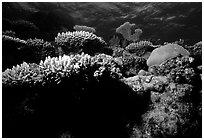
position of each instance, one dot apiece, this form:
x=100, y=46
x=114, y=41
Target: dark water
x=160, y=22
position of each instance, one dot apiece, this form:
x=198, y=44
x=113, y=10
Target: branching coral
x=53, y=69
x=24, y=74
x=140, y=48
x=9, y=33
x=134, y=46
x=75, y=64
x=79, y=41
x=195, y=49
x=84, y=28
x=118, y=52
x=9, y=38
x=30, y=51
x=64, y=83
x=132, y=64
x=179, y=69
x=79, y=82
x=40, y=48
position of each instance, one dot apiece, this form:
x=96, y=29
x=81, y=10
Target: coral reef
x=172, y=111
x=79, y=41
x=10, y=38
x=9, y=33
x=118, y=51
x=73, y=88
x=179, y=69
x=17, y=50
x=196, y=52
x=89, y=81
x=11, y=53
x=84, y=28
x=125, y=30
x=132, y=64
x=141, y=48
x=40, y=48
x=166, y=52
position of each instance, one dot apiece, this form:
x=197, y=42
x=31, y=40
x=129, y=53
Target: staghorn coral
x=79, y=41
x=166, y=52
x=9, y=38
x=84, y=28
x=24, y=74
x=74, y=83
x=117, y=52
x=125, y=30
x=75, y=64
x=53, y=69
x=9, y=33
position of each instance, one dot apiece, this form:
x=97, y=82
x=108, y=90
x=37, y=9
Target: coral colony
x=81, y=86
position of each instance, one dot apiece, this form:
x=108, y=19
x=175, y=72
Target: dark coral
x=41, y=49
x=132, y=64
x=16, y=51
x=172, y=109
x=80, y=41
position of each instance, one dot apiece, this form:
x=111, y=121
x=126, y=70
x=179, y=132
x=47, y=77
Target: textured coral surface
x=101, y=70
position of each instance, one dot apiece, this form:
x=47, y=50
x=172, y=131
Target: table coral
x=125, y=30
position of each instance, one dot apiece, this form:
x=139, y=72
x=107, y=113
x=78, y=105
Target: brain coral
x=166, y=52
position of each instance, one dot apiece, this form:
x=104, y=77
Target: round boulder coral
x=166, y=52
